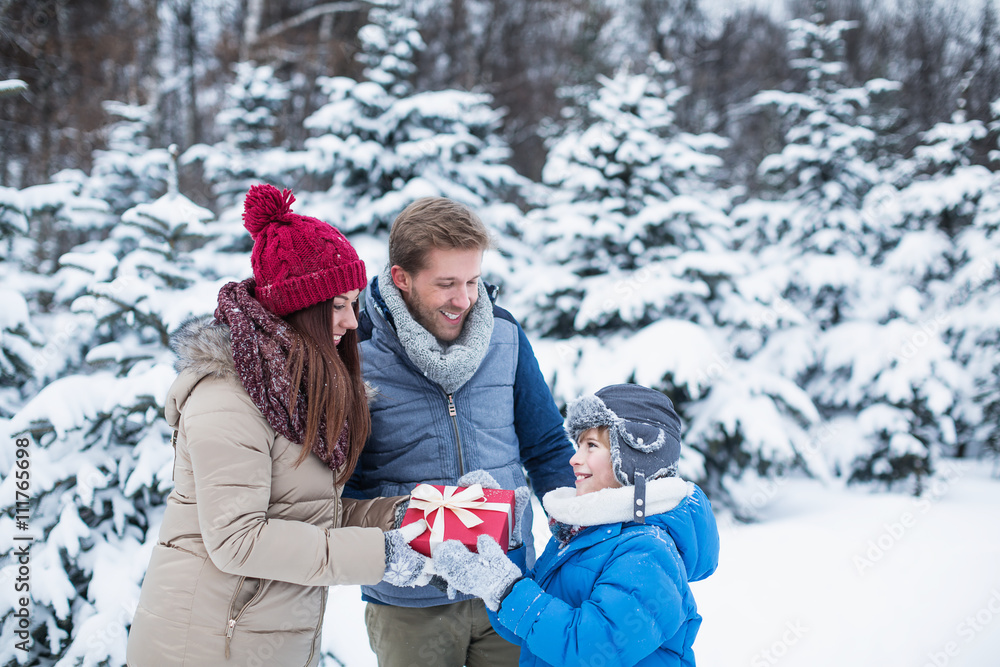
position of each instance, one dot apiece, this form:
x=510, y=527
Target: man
x=458, y=389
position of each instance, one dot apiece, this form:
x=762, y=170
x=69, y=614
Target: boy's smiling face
x=592, y=462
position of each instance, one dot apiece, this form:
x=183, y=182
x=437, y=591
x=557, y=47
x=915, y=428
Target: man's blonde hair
x=434, y=222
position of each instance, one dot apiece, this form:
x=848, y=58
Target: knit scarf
x=261, y=344
x=563, y=532
x=452, y=364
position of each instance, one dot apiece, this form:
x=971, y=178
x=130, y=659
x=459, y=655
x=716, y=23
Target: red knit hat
x=297, y=261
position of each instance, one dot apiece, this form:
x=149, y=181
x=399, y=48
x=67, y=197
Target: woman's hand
x=404, y=566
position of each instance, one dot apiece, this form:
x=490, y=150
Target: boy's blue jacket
x=618, y=593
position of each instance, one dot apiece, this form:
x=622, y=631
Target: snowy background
x=825, y=319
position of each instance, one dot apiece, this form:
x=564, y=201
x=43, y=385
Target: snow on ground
x=831, y=576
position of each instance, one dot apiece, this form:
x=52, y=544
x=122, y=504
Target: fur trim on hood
x=614, y=505
x=203, y=347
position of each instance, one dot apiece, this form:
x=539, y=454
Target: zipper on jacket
x=319, y=627
x=173, y=443
x=453, y=413
x=234, y=618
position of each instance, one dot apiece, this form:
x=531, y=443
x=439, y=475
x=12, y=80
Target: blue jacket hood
x=692, y=527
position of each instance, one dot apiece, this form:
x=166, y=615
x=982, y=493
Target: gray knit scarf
x=450, y=365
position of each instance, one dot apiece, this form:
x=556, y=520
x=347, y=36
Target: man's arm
x=545, y=448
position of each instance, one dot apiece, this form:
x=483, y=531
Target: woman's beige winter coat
x=249, y=541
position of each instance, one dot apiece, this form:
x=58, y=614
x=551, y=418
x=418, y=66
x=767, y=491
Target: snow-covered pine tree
x=252, y=149
x=390, y=44
x=824, y=167
x=381, y=146
x=973, y=328
x=985, y=277
x=629, y=191
x=954, y=201
x=129, y=171
x=634, y=279
x=18, y=341
x=18, y=337
x=39, y=222
x=100, y=454
x=937, y=322
x=828, y=246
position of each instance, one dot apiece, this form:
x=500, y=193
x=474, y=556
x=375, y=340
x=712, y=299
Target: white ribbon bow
x=434, y=501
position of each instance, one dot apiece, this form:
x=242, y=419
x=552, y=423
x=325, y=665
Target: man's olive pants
x=450, y=635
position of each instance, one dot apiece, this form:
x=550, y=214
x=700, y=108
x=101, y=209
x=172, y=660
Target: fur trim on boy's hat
x=297, y=261
x=644, y=432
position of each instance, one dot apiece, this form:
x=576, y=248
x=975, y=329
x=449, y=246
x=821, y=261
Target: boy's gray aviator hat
x=643, y=429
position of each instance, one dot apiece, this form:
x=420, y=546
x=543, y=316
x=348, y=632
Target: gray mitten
x=488, y=574
x=521, y=499
x=403, y=565
x=480, y=477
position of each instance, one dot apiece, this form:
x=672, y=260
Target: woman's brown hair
x=330, y=376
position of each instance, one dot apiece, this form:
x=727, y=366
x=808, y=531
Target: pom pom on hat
x=264, y=205
x=297, y=261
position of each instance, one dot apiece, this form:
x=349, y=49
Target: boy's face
x=440, y=296
x=592, y=462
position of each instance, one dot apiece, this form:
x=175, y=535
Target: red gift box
x=460, y=513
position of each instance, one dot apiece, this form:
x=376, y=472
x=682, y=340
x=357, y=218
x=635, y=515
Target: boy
x=612, y=585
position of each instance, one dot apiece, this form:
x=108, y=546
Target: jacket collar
x=611, y=506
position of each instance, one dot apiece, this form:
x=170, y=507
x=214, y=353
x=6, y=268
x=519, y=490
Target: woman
x=255, y=528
